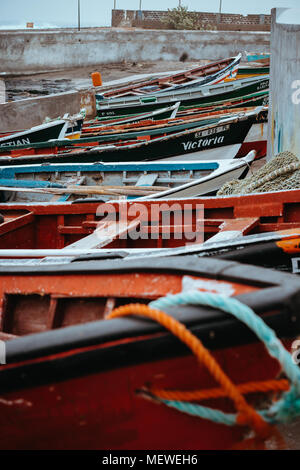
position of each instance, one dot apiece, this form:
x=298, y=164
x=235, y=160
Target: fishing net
x=281, y=173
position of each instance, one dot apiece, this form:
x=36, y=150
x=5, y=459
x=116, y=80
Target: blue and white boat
x=106, y=181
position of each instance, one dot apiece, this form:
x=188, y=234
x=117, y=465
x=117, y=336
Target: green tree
x=181, y=18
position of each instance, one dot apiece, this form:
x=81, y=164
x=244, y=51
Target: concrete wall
x=2, y=91
x=284, y=115
x=23, y=114
x=27, y=51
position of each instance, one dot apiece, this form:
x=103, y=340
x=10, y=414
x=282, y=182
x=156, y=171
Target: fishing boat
x=252, y=101
x=75, y=378
x=206, y=96
x=220, y=138
x=246, y=71
x=161, y=127
x=75, y=124
x=274, y=250
x=144, y=224
x=167, y=112
x=112, y=181
x=184, y=121
x=263, y=57
x=211, y=73
x=49, y=131
x=255, y=139
x=277, y=249
x=73, y=130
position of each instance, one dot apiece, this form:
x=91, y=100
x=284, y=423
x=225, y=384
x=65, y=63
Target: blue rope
x=203, y=412
x=289, y=405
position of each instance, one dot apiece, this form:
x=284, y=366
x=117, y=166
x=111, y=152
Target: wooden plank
x=147, y=179
x=17, y=222
x=83, y=190
x=232, y=228
x=106, y=233
x=242, y=225
x=52, y=312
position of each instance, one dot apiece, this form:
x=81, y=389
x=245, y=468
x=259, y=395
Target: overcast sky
x=98, y=12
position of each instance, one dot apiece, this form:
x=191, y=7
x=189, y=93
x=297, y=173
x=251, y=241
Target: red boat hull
x=103, y=411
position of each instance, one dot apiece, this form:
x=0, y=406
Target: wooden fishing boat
x=161, y=127
x=64, y=360
x=255, y=139
x=112, y=181
x=45, y=132
x=277, y=249
x=184, y=121
x=71, y=226
x=220, y=138
x=207, y=96
x=149, y=129
x=246, y=72
x=263, y=57
x=214, y=72
x=251, y=101
x=167, y=112
x=73, y=130
x=274, y=250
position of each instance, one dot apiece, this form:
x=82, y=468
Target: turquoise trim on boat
x=11, y=172
x=14, y=183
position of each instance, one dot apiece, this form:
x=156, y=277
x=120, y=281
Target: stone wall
x=154, y=19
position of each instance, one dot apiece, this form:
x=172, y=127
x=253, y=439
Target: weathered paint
x=284, y=124
x=58, y=49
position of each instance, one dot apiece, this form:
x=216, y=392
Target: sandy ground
x=20, y=87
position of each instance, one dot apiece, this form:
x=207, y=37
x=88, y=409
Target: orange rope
x=211, y=393
x=247, y=415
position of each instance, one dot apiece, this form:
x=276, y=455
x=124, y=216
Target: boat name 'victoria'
x=16, y=142
x=207, y=141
